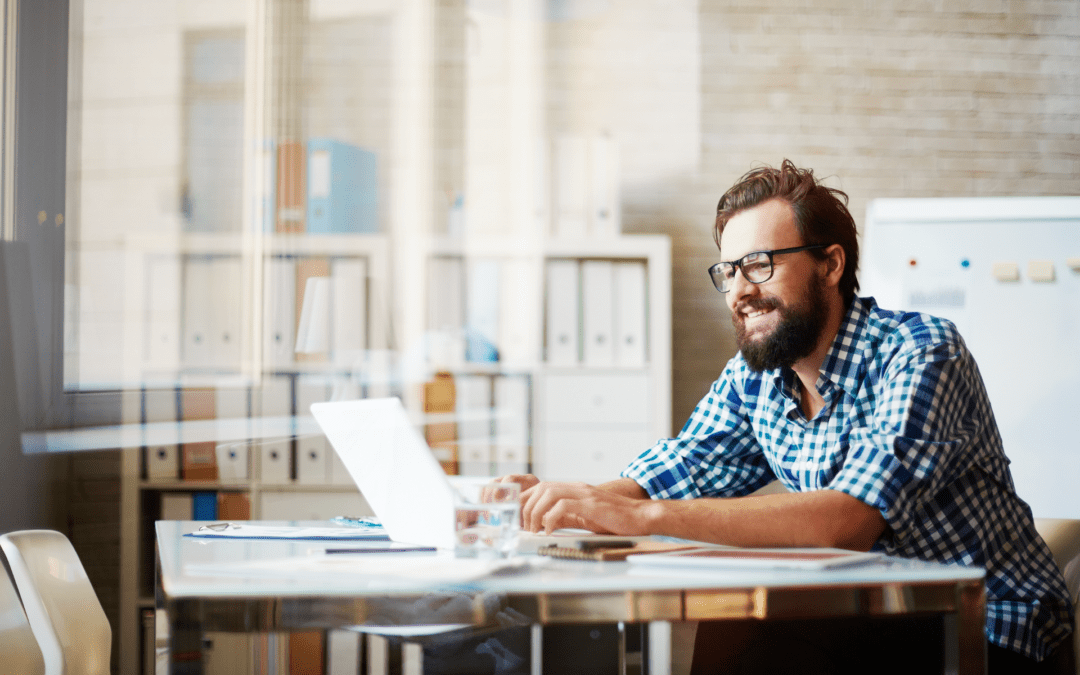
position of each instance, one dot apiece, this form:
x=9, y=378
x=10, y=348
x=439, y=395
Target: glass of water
x=487, y=518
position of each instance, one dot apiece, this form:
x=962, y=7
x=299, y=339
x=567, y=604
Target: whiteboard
x=1007, y=272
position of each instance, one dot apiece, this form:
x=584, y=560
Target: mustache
x=757, y=304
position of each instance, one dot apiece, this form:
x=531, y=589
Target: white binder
x=598, y=295
x=630, y=314
x=162, y=461
x=446, y=312
x=274, y=397
x=232, y=461
x=312, y=455
x=604, y=211
x=571, y=186
x=511, y=444
x=226, y=291
x=517, y=344
x=198, y=317
x=474, y=424
x=482, y=310
x=348, y=320
x=275, y=461
x=562, y=303
x=163, y=311
x=310, y=389
x=280, y=312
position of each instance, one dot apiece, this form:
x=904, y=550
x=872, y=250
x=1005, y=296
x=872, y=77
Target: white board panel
x=983, y=264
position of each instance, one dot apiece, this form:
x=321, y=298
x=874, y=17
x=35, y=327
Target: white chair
x=1063, y=538
x=19, y=652
x=61, y=606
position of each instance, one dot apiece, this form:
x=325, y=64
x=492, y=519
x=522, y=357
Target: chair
x=61, y=606
x=1063, y=538
x=19, y=650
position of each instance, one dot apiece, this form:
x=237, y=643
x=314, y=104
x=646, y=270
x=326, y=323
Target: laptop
x=398, y=475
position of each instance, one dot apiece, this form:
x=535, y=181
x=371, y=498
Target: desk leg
x=970, y=629
x=658, y=661
x=536, y=650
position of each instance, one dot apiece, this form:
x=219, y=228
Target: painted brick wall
x=886, y=99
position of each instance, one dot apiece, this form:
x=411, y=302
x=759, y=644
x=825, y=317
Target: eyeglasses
x=757, y=267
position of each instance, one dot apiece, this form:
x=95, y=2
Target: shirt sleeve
x=715, y=455
x=929, y=409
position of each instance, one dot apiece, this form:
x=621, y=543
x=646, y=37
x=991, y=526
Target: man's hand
x=525, y=480
x=609, y=509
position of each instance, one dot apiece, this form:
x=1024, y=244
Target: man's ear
x=835, y=261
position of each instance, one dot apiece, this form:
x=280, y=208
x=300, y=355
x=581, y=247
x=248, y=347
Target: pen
x=384, y=549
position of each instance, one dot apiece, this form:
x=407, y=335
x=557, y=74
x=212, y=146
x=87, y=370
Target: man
x=877, y=422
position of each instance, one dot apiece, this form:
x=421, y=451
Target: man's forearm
x=822, y=518
x=625, y=487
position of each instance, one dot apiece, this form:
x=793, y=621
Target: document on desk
x=393, y=567
x=757, y=558
x=246, y=531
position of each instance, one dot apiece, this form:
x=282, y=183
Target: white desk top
x=229, y=568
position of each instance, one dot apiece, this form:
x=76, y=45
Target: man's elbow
x=857, y=528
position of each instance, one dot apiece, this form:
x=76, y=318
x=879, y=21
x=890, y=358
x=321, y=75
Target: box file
x=482, y=311
x=312, y=454
x=176, y=506
x=274, y=396
x=446, y=311
x=162, y=461
x=598, y=295
x=571, y=184
x=343, y=190
x=604, y=211
x=562, y=304
x=511, y=428
x=233, y=506
x=163, y=311
x=630, y=314
x=204, y=506
x=198, y=459
x=275, y=460
x=232, y=461
x=279, y=311
x=348, y=317
x=474, y=424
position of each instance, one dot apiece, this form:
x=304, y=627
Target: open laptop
x=399, y=476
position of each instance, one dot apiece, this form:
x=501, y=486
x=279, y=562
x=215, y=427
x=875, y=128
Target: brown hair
x=821, y=214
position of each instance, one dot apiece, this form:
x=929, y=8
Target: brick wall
x=886, y=99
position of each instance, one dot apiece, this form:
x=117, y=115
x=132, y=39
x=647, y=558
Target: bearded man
x=877, y=423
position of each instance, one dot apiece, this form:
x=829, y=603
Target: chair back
x=19, y=652
x=1063, y=538
x=61, y=606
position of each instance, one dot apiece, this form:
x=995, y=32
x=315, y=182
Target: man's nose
x=739, y=288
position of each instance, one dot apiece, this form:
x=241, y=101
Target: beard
x=795, y=337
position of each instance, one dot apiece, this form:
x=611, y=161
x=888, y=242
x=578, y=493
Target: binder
x=176, y=506
x=306, y=653
x=232, y=461
x=598, y=295
x=204, y=506
x=163, y=293
x=312, y=467
x=511, y=446
x=307, y=268
x=199, y=459
x=233, y=506
x=482, y=311
x=440, y=396
x=604, y=207
x=517, y=345
x=571, y=186
x=348, y=312
x=630, y=314
x=474, y=424
x=274, y=396
x=336, y=471
x=289, y=206
x=275, y=460
x=342, y=652
x=342, y=194
x=163, y=460
x=563, y=310
x=310, y=389
x=212, y=312
x=446, y=311
x=279, y=312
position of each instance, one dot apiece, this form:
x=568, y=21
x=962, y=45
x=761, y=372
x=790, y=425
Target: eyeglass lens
x=756, y=267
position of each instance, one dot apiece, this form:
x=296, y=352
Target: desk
x=553, y=592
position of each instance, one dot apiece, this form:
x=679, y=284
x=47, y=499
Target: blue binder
x=342, y=188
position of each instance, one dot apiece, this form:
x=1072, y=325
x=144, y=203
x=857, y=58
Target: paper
x=245, y=531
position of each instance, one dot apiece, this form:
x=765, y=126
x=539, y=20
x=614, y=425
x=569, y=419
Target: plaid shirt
x=907, y=428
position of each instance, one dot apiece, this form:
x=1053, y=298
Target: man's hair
x=821, y=214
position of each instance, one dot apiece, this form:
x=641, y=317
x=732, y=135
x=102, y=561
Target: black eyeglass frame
x=719, y=280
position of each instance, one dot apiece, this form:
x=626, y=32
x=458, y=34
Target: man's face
x=777, y=322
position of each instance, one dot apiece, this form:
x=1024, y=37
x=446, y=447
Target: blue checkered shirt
x=907, y=428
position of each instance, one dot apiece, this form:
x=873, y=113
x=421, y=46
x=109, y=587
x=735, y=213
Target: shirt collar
x=843, y=364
